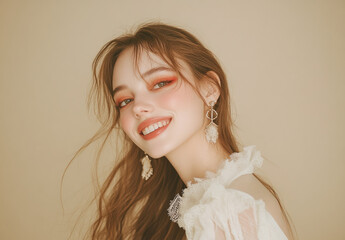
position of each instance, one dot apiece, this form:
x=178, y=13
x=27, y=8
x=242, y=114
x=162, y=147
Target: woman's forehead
x=130, y=66
x=138, y=63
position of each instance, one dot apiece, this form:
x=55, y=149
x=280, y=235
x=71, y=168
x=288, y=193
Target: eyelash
x=165, y=82
x=120, y=103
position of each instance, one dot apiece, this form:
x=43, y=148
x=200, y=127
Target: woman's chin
x=158, y=150
x=155, y=154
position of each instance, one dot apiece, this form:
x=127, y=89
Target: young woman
x=180, y=173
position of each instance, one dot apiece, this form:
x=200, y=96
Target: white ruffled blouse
x=210, y=209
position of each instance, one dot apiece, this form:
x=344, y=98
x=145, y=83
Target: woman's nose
x=141, y=107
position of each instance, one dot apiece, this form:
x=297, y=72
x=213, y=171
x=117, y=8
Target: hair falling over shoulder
x=128, y=206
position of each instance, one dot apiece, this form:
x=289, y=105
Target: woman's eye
x=161, y=84
x=124, y=102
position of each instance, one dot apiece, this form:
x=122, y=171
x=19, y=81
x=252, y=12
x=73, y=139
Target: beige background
x=285, y=61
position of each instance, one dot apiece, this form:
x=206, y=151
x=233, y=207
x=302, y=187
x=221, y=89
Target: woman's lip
x=155, y=133
x=150, y=121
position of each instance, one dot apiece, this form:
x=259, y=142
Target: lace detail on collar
x=173, y=210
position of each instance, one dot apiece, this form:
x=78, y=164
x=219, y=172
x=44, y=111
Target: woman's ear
x=210, y=88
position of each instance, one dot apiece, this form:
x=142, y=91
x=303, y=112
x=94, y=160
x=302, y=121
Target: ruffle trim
x=220, y=207
x=198, y=196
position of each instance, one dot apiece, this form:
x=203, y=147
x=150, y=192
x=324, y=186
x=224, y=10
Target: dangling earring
x=147, y=168
x=211, y=131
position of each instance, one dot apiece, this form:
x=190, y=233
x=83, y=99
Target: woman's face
x=158, y=114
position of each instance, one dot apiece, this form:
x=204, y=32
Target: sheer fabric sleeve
x=247, y=228
x=228, y=214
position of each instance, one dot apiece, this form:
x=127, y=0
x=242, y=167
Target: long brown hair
x=128, y=206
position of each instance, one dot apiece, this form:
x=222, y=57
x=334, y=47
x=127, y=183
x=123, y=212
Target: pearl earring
x=211, y=131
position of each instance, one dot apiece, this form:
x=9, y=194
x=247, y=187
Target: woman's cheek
x=174, y=98
x=125, y=123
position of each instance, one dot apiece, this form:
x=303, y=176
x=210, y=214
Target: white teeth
x=154, y=127
x=145, y=131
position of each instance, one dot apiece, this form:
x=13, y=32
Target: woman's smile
x=152, y=127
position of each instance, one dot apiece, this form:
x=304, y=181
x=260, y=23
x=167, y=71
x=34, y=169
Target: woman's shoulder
x=250, y=185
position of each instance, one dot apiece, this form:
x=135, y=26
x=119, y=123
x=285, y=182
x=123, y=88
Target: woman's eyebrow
x=145, y=74
x=119, y=88
x=155, y=69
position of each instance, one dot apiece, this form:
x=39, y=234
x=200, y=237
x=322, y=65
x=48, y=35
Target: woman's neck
x=196, y=156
